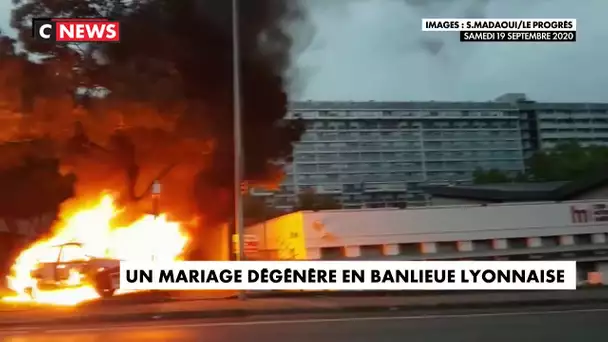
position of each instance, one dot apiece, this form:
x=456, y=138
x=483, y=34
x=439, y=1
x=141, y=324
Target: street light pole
x=156, y=187
x=238, y=145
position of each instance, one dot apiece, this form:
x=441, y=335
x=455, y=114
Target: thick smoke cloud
x=167, y=108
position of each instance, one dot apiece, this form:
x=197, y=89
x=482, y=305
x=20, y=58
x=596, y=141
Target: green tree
x=565, y=162
x=32, y=188
x=310, y=200
x=481, y=176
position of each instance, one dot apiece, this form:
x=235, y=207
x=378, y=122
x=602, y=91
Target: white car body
x=71, y=267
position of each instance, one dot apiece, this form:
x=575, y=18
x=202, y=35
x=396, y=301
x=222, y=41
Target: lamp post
x=156, y=187
x=238, y=146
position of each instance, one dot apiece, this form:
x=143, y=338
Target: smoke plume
x=166, y=105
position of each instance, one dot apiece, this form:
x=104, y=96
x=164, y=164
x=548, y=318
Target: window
x=549, y=241
x=331, y=253
x=371, y=251
x=482, y=245
x=517, y=243
x=409, y=249
x=583, y=239
x=307, y=168
x=72, y=253
x=305, y=157
x=447, y=247
x=50, y=255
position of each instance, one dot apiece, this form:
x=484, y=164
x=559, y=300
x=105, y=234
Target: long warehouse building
x=532, y=231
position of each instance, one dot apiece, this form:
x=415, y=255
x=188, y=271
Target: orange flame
x=149, y=238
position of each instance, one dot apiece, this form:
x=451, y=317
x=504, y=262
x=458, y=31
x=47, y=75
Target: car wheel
x=103, y=285
x=105, y=293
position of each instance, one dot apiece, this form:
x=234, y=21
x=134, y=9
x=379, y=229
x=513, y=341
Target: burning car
x=80, y=261
x=69, y=266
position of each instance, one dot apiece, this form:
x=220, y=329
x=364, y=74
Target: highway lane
x=554, y=326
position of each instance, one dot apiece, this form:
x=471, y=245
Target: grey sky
x=374, y=50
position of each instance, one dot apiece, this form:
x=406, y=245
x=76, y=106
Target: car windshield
x=50, y=255
x=72, y=253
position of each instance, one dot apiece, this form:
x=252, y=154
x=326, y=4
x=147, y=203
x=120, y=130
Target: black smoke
x=168, y=96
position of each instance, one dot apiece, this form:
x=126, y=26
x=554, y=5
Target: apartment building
x=546, y=124
x=380, y=154
x=376, y=154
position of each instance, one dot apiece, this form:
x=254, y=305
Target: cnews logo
x=76, y=30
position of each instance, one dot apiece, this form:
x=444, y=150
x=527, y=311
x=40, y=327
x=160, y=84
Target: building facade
x=546, y=124
x=534, y=231
x=379, y=154
x=376, y=154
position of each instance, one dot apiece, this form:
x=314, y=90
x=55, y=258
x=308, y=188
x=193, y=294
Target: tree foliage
x=256, y=210
x=33, y=175
x=565, y=162
x=482, y=176
x=159, y=103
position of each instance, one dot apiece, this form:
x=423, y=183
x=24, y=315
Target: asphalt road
x=557, y=325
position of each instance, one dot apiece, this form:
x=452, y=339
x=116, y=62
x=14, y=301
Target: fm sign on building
x=76, y=30
x=590, y=213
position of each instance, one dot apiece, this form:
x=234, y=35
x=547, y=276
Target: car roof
x=77, y=244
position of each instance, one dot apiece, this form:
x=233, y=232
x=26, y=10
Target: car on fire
x=68, y=266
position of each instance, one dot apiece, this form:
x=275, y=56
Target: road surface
x=557, y=325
